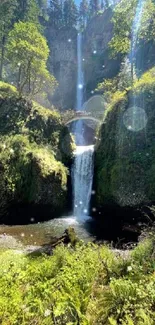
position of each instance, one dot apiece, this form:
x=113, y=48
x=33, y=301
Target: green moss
x=30, y=174
x=35, y=145
x=7, y=89
x=20, y=116
x=124, y=159
x=146, y=82
x=118, y=98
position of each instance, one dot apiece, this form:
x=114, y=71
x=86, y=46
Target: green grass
x=87, y=284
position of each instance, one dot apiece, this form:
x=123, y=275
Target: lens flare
x=135, y=119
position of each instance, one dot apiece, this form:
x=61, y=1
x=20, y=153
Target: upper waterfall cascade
x=82, y=173
x=80, y=75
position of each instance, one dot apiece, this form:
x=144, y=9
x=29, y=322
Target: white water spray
x=83, y=178
x=82, y=174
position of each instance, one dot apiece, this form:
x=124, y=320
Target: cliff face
x=97, y=63
x=35, y=149
x=63, y=64
x=124, y=159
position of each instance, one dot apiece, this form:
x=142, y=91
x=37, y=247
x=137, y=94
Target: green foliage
x=32, y=155
x=147, y=28
x=94, y=7
x=7, y=10
x=29, y=173
x=143, y=255
x=123, y=20
x=128, y=302
x=83, y=13
x=123, y=160
x=146, y=82
x=6, y=89
x=27, y=51
x=70, y=13
x=87, y=284
x=41, y=125
x=49, y=289
x=11, y=12
x=116, y=87
x=19, y=115
x=108, y=86
x=56, y=14
x=28, y=11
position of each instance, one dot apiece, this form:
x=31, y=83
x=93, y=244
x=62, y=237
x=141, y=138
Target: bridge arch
x=77, y=118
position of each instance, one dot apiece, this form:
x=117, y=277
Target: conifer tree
x=43, y=15
x=83, y=13
x=56, y=13
x=28, y=10
x=70, y=13
x=94, y=7
x=104, y=4
x=42, y=3
x=7, y=19
x=12, y=12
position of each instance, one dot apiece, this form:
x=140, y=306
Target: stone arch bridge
x=82, y=116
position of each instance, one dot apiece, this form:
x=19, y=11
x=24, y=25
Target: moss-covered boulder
x=21, y=116
x=35, y=155
x=125, y=156
x=7, y=89
x=30, y=176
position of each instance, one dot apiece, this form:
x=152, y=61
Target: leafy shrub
x=127, y=302
x=86, y=285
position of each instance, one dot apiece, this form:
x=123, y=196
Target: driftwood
x=68, y=237
x=132, y=228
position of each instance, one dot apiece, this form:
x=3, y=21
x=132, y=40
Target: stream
x=20, y=236
x=34, y=235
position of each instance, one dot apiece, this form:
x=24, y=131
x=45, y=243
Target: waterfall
x=80, y=76
x=83, y=178
x=78, y=132
x=82, y=173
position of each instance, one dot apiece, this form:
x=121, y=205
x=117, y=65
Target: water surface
x=40, y=233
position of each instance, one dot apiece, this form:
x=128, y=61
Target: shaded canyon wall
x=63, y=58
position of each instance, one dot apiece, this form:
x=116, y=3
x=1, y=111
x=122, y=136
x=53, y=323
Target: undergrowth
x=87, y=284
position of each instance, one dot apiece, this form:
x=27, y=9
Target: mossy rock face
x=21, y=116
x=7, y=90
x=36, y=152
x=125, y=156
x=30, y=175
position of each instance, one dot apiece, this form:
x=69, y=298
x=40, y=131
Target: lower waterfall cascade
x=82, y=180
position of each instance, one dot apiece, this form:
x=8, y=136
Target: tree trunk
x=26, y=79
x=132, y=60
x=19, y=78
x=29, y=81
x=2, y=57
